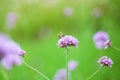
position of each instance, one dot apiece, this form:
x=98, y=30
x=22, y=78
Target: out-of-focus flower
x=67, y=41
x=10, y=60
x=14, y=48
x=96, y=12
x=107, y=44
x=61, y=75
x=8, y=46
x=105, y=61
x=9, y=52
x=11, y=20
x=101, y=40
x=68, y=11
x=72, y=65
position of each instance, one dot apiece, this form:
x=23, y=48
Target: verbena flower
x=61, y=75
x=8, y=46
x=11, y=19
x=67, y=41
x=72, y=65
x=97, y=12
x=68, y=11
x=101, y=40
x=9, y=52
x=107, y=44
x=105, y=61
x=14, y=48
x=10, y=60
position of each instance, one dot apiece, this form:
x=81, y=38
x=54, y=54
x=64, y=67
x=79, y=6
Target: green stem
x=116, y=48
x=5, y=74
x=67, y=65
x=94, y=73
x=35, y=70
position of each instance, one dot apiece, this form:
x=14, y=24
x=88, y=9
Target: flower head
x=72, y=65
x=61, y=75
x=97, y=12
x=107, y=44
x=9, y=52
x=101, y=40
x=8, y=46
x=67, y=41
x=68, y=11
x=105, y=61
x=11, y=20
x=10, y=60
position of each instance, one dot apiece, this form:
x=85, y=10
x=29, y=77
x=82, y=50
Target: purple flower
x=68, y=11
x=10, y=60
x=61, y=75
x=72, y=65
x=9, y=52
x=11, y=20
x=67, y=41
x=8, y=46
x=105, y=61
x=107, y=44
x=97, y=12
x=101, y=40
x=12, y=47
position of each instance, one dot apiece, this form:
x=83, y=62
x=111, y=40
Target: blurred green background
x=36, y=29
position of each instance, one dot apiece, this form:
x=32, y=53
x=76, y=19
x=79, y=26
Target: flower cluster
x=97, y=12
x=101, y=40
x=9, y=52
x=105, y=61
x=67, y=41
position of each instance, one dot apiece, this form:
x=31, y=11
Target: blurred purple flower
x=97, y=12
x=61, y=75
x=10, y=60
x=101, y=40
x=72, y=65
x=105, y=61
x=67, y=41
x=11, y=20
x=107, y=44
x=8, y=46
x=12, y=47
x=68, y=11
x=9, y=52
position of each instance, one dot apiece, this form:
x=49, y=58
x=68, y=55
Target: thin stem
x=35, y=70
x=116, y=48
x=5, y=75
x=67, y=65
x=94, y=73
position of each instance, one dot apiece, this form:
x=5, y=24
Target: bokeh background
x=35, y=25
